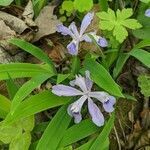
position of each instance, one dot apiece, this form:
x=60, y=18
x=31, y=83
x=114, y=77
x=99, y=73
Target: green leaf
x=55, y=130
x=82, y=5
x=35, y=51
x=103, y=5
x=117, y=23
x=75, y=65
x=144, y=84
x=68, y=6
x=78, y=132
x=102, y=77
x=38, y=5
x=20, y=70
x=26, y=89
x=86, y=146
x=142, y=56
x=8, y=133
x=21, y=142
x=142, y=33
x=104, y=134
x=36, y=104
x=12, y=88
x=145, y=1
x=62, y=77
x=5, y=2
x=143, y=43
x=27, y=123
x=4, y=106
x=119, y=64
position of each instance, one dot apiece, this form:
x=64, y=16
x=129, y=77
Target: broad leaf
x=4, y=106
x=20, y=70
x=5, y=2
x=55, y=130
x=142, y=56
x=35, y=104
x=104, y=134
x=102, y=77
x=35, y=51
x=26, y=89
x=78, y=132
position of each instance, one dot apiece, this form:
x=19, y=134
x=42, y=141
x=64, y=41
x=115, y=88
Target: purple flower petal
x=147, y=13
x=64, y=30
x=85, y=22
x=97, y=116
x=88, y=80
x=109, y=104
x=102, y=42
x=101, y=96
x=74, y=30
x=63, y=90
x=73, y=48
x=74, y=109
x=80, y=81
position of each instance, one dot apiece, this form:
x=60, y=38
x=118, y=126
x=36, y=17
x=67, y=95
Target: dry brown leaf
x=15, y=23
x=28, y=14
x=5, y=31
x=46, y=22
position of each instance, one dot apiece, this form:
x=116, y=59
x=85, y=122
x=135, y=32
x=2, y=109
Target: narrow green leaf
x=142, y=56
x=119, y=64
x=75, y=66
x=12, y=88
x=143, y=43
x=35, y=51
x=62, y=77
x=5, y=2
x=86, y=146
x=20, y=70
x=101, y=139
x=36, y=104
x=102, y=78
x=55, y=130
x=103, y=5
x=26, y=89
x=78, y=132
x=4, y=106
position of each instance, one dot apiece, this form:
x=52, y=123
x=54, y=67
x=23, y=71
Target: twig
x=119, y=145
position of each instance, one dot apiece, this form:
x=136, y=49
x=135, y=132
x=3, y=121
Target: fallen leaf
x=46, y=22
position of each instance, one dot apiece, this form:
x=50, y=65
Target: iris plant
x=85, y=84
x=78, y=37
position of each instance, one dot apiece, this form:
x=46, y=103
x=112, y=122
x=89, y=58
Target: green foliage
x=142, y=56
x=102, y=77
x=144, y=84
x=82, y=5
x=68, y=6
x=5, y=2
x=103, y=135
x=145, y=1
x=55, y=130
x=117, y=23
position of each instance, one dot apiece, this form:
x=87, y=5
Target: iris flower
x=78, y=37
x=85, y=84
x=147, y=13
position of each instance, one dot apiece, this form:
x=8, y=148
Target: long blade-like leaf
x=26, y=89
x=35, y=104
x=35, y=51
x=20, y=70
x=55, y=131
x=102, y=78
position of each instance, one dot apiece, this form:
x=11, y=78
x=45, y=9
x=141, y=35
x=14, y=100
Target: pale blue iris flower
x=147, y=13
x=78, y=37
x=85, y=84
